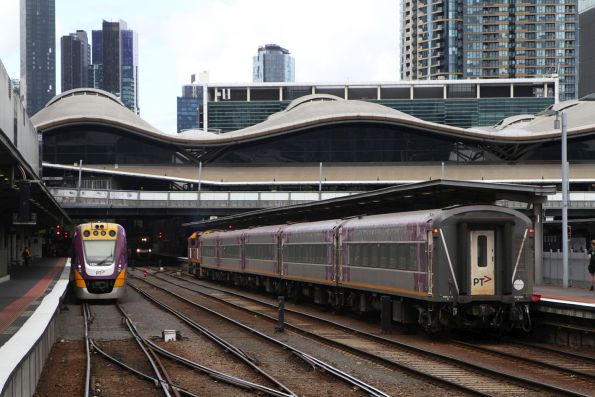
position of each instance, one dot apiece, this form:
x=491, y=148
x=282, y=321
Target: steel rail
x=134, y=370
x=374, y=337
x=157, y=367
x=571, y=371
x=571, y=355
x=87, y=318
x=216, y=374
x=373, y=391
x=250, y=361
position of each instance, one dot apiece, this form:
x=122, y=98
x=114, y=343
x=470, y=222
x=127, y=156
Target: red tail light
x=535, y=298
x=531, y=230
x=436, y=232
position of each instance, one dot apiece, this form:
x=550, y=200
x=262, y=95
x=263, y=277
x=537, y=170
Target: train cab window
x=482, y=251
x=99, y=252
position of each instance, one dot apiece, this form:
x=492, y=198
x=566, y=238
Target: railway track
x=265, y=352
x=474, y=377
x=160, y=375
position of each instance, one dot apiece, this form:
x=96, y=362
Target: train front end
x=99, y=261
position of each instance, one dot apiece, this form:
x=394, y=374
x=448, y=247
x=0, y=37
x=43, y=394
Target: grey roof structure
x=408, y=197
x=509, y=140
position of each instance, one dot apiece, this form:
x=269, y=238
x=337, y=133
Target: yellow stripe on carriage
x=79, y=282
x=385, y=288
x=121, y=279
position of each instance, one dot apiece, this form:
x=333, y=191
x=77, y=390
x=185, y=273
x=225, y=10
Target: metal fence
x=578, y=275
x=145, y=199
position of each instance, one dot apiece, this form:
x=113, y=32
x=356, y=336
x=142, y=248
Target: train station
x=325, y=166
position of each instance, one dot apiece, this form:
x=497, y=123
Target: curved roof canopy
x=509, y=139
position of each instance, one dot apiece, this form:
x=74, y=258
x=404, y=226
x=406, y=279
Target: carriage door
x=482, y=262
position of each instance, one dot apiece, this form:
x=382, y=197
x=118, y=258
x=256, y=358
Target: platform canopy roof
x=509, y=140
x=417, y=196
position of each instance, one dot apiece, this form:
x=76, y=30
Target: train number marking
x=481, y=280
x=99, y=272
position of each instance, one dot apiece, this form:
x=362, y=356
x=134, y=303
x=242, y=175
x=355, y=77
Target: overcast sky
x=331, y=41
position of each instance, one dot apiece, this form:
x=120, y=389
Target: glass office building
x=273, y=63
x=38, y=53
x=496, y=39
x=76, y=57
x=189, y=107
x=115, y=62
x=460, y=103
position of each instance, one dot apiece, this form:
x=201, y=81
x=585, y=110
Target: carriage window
x=209, y=251
x=482, y=251
x=260, y=251
x=230, y=251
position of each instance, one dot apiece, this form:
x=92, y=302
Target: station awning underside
x=410, y=197
x=14, y=171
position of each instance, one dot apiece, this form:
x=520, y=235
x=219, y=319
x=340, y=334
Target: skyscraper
x=38, y=53
x=498, y=39
x=115, y=62
x=189, y=106
x=76, y=57
x=587, y=50
x=273, y=63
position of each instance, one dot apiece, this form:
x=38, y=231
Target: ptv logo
x=481, y=280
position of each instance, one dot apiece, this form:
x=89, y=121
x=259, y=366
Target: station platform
x=570, y=296
x=22, y=294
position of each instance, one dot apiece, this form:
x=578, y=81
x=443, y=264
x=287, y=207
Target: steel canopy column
x=538, y=225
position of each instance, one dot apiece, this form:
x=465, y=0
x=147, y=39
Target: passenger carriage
x=468, y=266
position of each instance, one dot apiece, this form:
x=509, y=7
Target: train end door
x=482, y=262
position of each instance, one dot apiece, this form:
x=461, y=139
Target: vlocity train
x=458, y=267
x=98, y=266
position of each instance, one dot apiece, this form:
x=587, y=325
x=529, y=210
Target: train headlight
x=436, y=232
x=137, y=250
x=112, y=233
x=149, y=250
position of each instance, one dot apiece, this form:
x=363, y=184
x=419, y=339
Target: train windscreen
x=100, y=253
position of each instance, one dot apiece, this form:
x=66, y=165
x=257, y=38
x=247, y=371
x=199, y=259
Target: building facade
x=273, y=63
x=76, y=57
x=497, y=39
x=38, y=53
x=189, y=107
x=586, y=49
x=461, y=103
x=115, y=62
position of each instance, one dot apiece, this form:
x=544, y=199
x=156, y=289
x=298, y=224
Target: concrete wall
x=15, y=126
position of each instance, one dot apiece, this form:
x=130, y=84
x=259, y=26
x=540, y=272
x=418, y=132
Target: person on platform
x=591, y=256
x=26, y=254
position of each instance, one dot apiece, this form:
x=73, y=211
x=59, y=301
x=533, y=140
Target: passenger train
x=98, y=266
x=459, y=267
x=143, y=247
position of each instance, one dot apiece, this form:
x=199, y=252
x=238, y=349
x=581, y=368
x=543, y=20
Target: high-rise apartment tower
x=76, y=56
x=115, y=62
x=38, y=53
x=273, y=63
x=471, y=39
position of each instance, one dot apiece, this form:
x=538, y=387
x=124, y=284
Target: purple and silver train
x=460, y=267
x=99, y=261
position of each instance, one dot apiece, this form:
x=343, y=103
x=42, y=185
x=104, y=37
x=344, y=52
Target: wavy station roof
x=509, y=140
